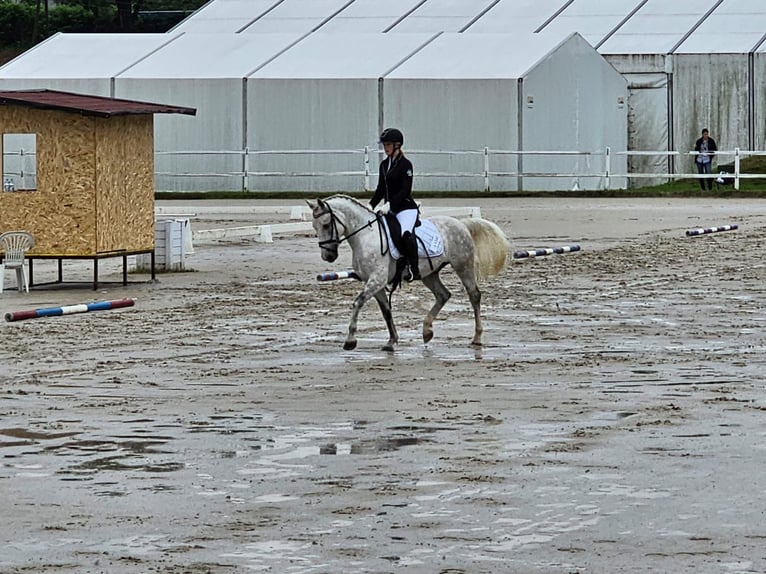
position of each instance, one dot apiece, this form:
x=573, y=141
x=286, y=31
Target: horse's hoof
x=428, y=336
x=349, y=345
x=389, y=348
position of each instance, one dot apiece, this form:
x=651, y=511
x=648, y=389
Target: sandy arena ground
x=613, y=421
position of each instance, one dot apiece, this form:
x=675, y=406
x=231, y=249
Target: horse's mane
x=351, y=199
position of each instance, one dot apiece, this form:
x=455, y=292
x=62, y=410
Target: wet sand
x=613, y=421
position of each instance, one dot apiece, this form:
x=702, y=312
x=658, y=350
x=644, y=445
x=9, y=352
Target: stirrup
x=410, y=277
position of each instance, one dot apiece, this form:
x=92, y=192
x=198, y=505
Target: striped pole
x=705, y=230
x=545, y=251
x=69, y=309
x=335, y=275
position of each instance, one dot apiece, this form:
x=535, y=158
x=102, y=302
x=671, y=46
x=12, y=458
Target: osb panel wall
x=61, y=212
x=125, y=183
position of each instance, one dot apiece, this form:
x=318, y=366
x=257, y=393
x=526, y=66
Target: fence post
x=607, y=167
x=736, y=168
x=486, y=168
x=246, y=169
x=366, y=168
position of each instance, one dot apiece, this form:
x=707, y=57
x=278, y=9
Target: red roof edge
x=86, y=104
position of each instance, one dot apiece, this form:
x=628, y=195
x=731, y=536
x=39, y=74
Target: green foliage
x=70, y=18
x=16, y=24
x=25, y=23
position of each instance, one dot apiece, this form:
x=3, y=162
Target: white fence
x=598, y=166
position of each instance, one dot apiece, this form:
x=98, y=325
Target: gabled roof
x=86, y=105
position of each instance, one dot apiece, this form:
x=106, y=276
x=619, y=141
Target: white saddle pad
x=428, y=235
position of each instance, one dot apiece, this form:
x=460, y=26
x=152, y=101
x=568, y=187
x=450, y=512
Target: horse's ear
x=312, y=204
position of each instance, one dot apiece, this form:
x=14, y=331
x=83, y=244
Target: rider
x=394, y=194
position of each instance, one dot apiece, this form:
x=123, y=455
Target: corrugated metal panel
x=211, y=56
x=442, y=16
x=734, y=27
x=92, y=86
x=338, y=56
x=312, y=114
x=442, y=114
x=83, y=55
x=516, y=15
x=225, y=16
x=370, y=16
x=296, y=16
x=217, y=127
x=592, y=19
x=588, y=115
x=489, y=56
x=759, y=99
x=657, y=27
x=713, y=89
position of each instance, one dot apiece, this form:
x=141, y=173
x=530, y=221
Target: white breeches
x=407, y=219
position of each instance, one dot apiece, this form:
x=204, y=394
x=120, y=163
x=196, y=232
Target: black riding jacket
x=395, y=185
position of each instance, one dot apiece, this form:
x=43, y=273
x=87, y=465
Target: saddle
x=430, y=242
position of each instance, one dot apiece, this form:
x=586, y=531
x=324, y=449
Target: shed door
x=647, y=126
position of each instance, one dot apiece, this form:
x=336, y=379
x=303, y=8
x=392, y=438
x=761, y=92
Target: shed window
x=19, y=162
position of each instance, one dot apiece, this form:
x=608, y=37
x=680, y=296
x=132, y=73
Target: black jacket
x=395, y=185
x=711, y=147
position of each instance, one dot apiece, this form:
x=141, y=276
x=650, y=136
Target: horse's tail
x=491, y=247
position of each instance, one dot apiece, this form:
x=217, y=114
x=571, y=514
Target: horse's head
x=328, y=228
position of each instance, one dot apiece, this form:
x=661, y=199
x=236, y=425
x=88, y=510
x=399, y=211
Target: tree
x=127, y=12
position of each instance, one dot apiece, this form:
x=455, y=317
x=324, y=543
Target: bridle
x=335, y=237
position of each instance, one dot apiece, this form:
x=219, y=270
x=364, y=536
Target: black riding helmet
x=392, y=135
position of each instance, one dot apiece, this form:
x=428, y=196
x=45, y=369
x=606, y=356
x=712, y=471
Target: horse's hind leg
x=442, y=295
x=385, y=309
x=468, y=278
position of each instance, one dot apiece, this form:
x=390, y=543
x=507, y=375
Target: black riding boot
x=410, y=244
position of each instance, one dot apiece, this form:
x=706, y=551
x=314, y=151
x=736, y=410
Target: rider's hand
x=383, y=208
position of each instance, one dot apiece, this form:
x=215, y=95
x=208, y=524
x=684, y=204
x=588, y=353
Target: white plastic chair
x=15, y=245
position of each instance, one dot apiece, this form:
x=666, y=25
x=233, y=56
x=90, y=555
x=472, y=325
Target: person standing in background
x=705, y=148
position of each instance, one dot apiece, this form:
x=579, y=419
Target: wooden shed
x=78, y=173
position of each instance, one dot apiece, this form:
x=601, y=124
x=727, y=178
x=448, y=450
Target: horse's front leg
x=385, y=309
x=442, y=295
x=372, y=287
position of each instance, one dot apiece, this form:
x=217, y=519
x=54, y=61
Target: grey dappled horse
x=475, y=248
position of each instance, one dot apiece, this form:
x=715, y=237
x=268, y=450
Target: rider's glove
x=383, y=208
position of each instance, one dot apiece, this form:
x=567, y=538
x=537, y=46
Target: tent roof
x=225, y=16
x=737, y=26
x=464, y=56
x=521, y=16
x=83, y=56
x=86, y=105
x=442, y=16
x=206, y=56
x=291, y=16
x=593, y=19
x=657, y=27
x=322, y=55
x=370, y=16
x=613, y=26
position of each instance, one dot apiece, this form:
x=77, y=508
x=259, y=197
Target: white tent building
x=206, y=72
x=517, y=103
x=320, y=95
x=297, y=75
